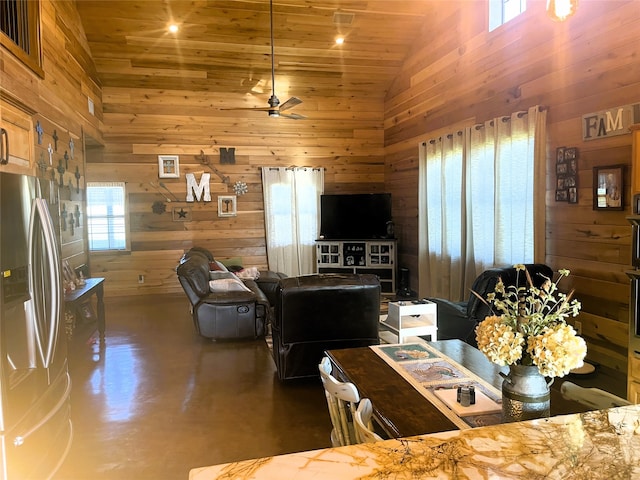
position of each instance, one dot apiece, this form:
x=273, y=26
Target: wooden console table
x=76, y=298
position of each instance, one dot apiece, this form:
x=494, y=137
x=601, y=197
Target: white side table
x=407, y=318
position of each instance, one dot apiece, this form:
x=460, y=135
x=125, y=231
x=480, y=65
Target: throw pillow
x=227, y=285
x=215, y=266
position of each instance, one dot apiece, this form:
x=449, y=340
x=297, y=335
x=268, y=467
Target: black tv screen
x=355, y=216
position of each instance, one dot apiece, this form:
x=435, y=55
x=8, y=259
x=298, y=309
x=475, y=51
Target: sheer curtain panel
x=479, y=204
x=292, y=217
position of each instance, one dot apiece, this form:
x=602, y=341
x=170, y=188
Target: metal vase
x=525, y=394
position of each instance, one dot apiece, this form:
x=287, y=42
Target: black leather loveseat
x=227, y=308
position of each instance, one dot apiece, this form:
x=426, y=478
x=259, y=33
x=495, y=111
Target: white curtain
x=479, y=201
x=292, y=217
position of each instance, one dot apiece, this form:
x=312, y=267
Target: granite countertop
x=603, y=444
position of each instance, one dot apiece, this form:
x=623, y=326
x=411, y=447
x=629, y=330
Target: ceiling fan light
x=274, y=113
x=560, y=10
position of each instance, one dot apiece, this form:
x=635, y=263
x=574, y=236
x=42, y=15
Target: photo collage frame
x=567, y=174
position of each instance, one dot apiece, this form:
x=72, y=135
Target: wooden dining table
x=399, y=408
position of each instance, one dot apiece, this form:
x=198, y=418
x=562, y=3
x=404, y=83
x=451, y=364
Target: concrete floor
x=158, y=400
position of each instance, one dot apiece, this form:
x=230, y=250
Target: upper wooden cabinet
x=18, y=139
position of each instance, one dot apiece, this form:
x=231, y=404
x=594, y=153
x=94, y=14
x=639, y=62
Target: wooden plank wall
x=344, y=138
x=467, y=75
x=58, y=103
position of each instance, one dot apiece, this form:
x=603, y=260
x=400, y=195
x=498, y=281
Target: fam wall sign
x=610, y=122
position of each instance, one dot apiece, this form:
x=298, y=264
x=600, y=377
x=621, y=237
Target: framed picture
x=227, y=206
x=168, y=166
x=608, y=185
x=561, y=195
x=570, y=153
x=69, y=276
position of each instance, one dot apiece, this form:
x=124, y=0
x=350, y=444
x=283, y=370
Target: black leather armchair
x=322, y=312
x=459, y=319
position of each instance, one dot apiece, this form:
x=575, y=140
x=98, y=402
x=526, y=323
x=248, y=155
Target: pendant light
x=560, y=10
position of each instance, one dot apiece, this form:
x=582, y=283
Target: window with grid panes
x=107, y=216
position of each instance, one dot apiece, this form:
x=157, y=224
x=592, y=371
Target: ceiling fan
x=275, y=109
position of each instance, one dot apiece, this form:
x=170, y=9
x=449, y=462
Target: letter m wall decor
x=198, y=189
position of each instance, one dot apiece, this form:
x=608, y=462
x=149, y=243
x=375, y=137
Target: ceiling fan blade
x=292, y=102
x=259, y=109
x=293, y=116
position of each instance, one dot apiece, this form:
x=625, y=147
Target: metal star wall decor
x=181, y=214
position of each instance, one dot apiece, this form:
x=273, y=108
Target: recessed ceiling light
x=173, y=28
x=339, y=40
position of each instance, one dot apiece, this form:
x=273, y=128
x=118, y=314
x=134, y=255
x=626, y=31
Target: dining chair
x=591, y=397
x=363, y=423
x=342, y=400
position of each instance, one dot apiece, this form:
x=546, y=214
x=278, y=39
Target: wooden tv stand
x=359, y=256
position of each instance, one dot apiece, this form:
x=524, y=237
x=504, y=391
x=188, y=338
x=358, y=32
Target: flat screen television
x=355, y=216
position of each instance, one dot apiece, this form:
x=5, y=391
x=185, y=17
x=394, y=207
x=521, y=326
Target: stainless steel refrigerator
x=35, y=424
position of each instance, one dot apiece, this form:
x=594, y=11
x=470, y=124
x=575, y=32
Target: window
x=290, y=222
x=501, y=11
x=20, y=31
x=477, y=201
x=291, y=209
x=107, y=216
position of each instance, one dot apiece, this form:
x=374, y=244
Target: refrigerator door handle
x=46, y=339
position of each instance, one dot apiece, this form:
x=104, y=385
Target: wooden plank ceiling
x=224, y=46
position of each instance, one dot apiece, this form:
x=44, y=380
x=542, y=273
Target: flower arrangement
x=531, y=328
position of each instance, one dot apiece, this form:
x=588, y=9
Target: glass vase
x=525, y=394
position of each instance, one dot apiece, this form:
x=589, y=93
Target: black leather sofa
x=459, y=319
x=314, y=313
x=237, y=313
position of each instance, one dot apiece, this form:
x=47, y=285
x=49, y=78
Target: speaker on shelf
x=405, y=288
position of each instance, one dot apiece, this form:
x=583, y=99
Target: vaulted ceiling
x=224, y=46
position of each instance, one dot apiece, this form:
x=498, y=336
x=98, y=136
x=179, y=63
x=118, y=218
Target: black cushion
x=459, y=319
x=487, y=280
